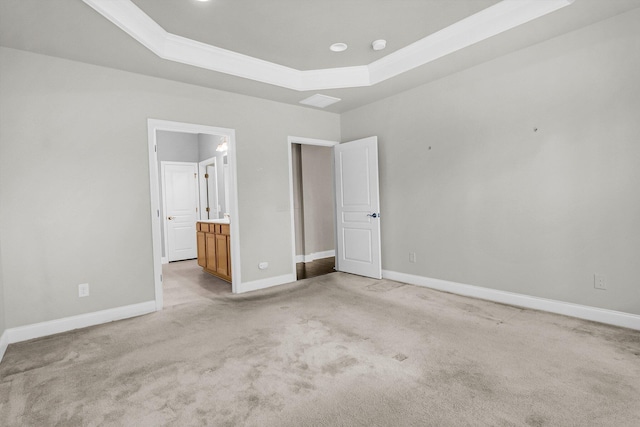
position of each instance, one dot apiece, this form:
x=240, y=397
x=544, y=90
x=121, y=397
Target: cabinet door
x=229, y=253
x=222, y=256
x=202, y=249
x=211, y=251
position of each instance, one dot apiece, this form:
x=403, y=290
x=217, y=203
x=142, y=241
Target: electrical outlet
x=83, y=290
x=412, y=257
x=263, y=265
x=599, y=282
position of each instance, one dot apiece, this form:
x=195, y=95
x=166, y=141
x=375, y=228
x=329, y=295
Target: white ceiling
x=297, y=33
x=294, y=33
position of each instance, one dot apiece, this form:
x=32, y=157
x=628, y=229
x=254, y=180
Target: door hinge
x=155, y=148
x=207, y=208
x=196, y=209
x=161, y=277
x=158, y=211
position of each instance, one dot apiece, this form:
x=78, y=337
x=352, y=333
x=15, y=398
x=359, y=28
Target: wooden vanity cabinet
x=214, y=254
x=202, y=248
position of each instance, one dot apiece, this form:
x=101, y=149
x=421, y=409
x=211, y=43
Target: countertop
x=215, y=221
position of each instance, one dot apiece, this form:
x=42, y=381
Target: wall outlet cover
x=599, y=282
x=83, y=290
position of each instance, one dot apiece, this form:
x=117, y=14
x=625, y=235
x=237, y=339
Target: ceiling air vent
x=320, y=101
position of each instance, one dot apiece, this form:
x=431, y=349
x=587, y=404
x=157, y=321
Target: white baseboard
x=611, y=317
x=266, y=283
x=4, y=343
x=314, y=256
x=164, y=260
x=37, y=330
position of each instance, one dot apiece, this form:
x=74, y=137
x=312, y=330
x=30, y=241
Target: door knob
x=374, y=215
x=170, y=217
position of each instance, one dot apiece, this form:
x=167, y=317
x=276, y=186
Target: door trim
x=202, y=188
x=154, y=125
x=165, y=224
x=308, y=141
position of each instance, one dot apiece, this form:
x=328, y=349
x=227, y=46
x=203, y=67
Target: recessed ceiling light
x=338, y=47
x=379, y=44
x=320, y=101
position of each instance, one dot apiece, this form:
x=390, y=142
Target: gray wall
x=482, y=199
x=207, y=145
x=3, y=324
x=313, y=198
x=317, y=194
x=85, y=127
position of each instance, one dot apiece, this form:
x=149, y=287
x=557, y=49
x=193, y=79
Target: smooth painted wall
x=84, y=128
x=177, y=147
x=313, y=198
x=484, y=199
x=317, y=195
x=207, y=145
x=3, y=324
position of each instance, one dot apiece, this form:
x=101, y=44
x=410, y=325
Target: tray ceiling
x=72, y=30
x=298, y=33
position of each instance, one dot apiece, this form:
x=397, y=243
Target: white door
x=180, y=191
x=358, y=208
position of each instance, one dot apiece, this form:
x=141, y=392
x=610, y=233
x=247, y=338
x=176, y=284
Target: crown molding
x=487, y=23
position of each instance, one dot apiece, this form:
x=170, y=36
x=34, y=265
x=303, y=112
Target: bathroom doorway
x=200, y=144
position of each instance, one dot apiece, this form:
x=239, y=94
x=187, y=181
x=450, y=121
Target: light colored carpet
x=335, y=350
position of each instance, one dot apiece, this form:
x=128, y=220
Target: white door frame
x=163, y=190
x=154, y=125
x=202, y=193
x=308, y=141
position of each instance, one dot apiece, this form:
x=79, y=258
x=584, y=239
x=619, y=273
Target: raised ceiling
x=272, y=30
x=297, y=33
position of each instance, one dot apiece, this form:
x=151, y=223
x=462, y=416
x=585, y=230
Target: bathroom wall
x=207, y=145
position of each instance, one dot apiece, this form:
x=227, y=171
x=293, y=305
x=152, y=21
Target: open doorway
x=312, y=201
x=198, y=161
x=193, y=174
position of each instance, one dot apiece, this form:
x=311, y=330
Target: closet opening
x=312, y=194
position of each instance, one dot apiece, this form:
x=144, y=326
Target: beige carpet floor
x=335, y=350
